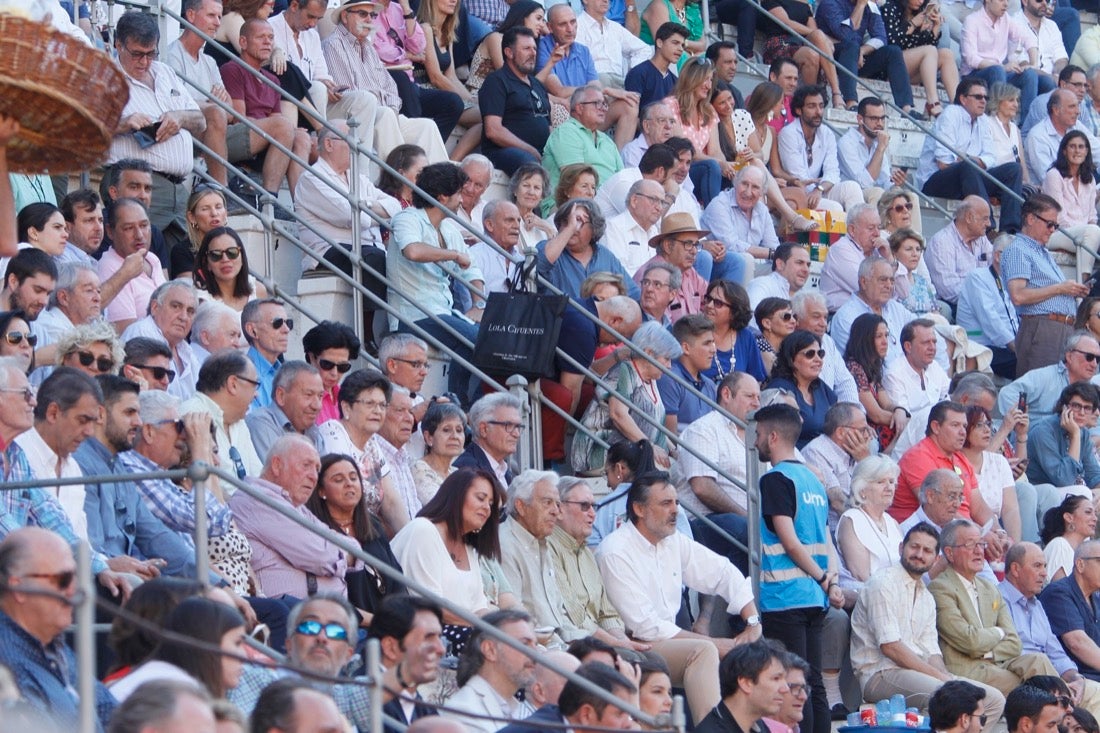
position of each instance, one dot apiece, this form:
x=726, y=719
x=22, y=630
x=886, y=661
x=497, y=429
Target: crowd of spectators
x=925, y=410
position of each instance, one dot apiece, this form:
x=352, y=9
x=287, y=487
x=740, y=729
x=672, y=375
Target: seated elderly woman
x=93, y=348
x=898, y=211
x=575, y=252
x=868, y=539
x=616, y=416
x=527, y=188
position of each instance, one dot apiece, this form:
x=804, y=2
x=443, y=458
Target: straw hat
x=679, y=223
x=334, y=13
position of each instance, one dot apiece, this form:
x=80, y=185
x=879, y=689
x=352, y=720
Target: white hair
x=523, y=486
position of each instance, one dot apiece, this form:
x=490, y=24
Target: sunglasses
x=62, y=581
x=333, y=631
x=159, y=373
x=14, y=338
x=327, y=366
x=1090, y=358
x=584, y=506
x=277, y=323
x=786, y=316
x=708, y=300
x=102, y=363
x=216, y=255
x=811, y=353
x=898, y=208
x=181, y=428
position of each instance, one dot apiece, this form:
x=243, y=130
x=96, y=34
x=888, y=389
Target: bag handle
x=522, y=274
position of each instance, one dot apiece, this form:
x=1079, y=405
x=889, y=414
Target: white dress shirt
x=792, y=154
x=729, y=224
x=47, y=465
x=911, y=389
x=613, y=48
x=1049, y=40
x=227, y=437
x=305, y=51
x=772, y=285
x=854, y=155
x=628, y=241
x=645, y=581
x=611, y=198
x=186, y=363
x=961, y=132
x=478, y=697
x=495, y=268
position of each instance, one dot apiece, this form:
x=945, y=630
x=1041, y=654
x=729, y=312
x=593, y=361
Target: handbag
x=519, y=331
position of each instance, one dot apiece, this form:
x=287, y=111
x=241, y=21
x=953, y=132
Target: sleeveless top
x=783, y=584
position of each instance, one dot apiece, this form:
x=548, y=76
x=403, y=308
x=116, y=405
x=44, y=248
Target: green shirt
x=571, y=142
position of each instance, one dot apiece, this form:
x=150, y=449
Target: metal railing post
x=518, y=386
x=202, y=538
x=752, y=500
x=374, y=669
x=357, y=237
x=85, y=639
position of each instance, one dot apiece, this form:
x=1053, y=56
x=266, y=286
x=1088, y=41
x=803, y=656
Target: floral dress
x=332, y=437
x=885, y=433
x=587, y=455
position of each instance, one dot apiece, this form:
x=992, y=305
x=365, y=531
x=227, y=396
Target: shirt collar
x=1013, y=595
x=525, y=538
x=567, y=541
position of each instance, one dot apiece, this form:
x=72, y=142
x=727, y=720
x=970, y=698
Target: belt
x=1056, y=317
x=171, y=178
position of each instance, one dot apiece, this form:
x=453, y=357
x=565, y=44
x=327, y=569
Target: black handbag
x=519, y=331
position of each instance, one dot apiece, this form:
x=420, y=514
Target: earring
x=323, y=497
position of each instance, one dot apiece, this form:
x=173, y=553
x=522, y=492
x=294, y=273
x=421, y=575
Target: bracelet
x=824, y=576
x=899, y=407
x=409, y=16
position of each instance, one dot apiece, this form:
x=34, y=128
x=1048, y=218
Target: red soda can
x=867, y=715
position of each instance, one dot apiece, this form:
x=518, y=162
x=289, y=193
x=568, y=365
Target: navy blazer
x=474, y=457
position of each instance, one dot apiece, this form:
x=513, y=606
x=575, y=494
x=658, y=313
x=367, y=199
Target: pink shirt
x=1078, y=204
x=985, y=39
x=391, y=20
x=330, y=406
x=132, y=302
x=690, y=295
x=699, y=136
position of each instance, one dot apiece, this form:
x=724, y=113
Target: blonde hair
x=426, y=14
x=693, y=75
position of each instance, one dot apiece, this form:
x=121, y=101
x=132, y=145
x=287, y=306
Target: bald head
x=548, y=685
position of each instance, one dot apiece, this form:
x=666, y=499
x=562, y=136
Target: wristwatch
x=631, y=8
x=409, y=16
x=753, y=620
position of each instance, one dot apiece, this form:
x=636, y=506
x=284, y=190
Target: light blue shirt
x=265, y=372
x=854, y=156
x=1027, y=260
x=985, y=310
x=427, y=282
x=1041, y=145
x=567, y=272
x=1042, y=386
x=963, y=133
x=1037, y=112
x=1033, y=626
x=728, y=223
x=894, y=313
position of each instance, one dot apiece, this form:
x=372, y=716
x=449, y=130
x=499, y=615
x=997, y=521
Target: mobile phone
x=147, y=136
x=1021, y=404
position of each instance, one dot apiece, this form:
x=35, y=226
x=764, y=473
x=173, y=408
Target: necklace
x=681, y=13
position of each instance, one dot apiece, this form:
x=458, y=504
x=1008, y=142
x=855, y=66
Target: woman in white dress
x=1065, y=527
x=868, y=538
x=995, y=479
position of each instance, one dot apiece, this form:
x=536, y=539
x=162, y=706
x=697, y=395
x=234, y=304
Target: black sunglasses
x=216, y=255
x=103, y=363
x=277, y=323
x=63, y=580
x=15, y=338
x=159, y=372
x=181, y=427
x=811, y=353
x=341, y=366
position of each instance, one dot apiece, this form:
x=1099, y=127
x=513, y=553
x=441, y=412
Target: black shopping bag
x=519, y=333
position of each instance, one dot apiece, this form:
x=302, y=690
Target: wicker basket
x=67, y=96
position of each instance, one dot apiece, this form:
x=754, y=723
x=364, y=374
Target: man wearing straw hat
x=677, y=244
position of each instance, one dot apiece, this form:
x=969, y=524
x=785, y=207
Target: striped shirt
x=1027, y=260
x=354, y=63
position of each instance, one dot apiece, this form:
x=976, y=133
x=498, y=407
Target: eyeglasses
x=648, y=283
x=898, y=208
x=14, y=338
x=981, y=718
x=600, y=103
x=372, y=405
x=955, y=497
x=786, y=316
x=62, y=581
x=1081, y=408
x=278, y=323
x=414, y=364
x=327, y=366
x=689, y=244
x=216, y=255
x=584, y=506
x=364, y=13
x=333, y=631
x=253, y=382
x=659, y=200
x=799, y=689
x=181, y=428
x=159, y=373
x=27, y=392
x=1051, y=225
x=979, y=97
x=1089, y=357
x=103, y=364
x=811, y=353
x=708, y=300
x=142, y=55
x=984, y=424
x=972, y=545
x=511, y=427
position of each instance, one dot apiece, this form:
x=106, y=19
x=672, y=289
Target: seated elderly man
x=128, y=227
x=790, y=271
x=677, y=244
x=75, y=300
x=216, y=327
x=171, y=315
x=660, y=283
x=471, y=203
x=648, y=594
x=959, y=248
x=295, y=404
x=812, y=314
x=977, y=636
x=501, y=223
x=1043, y=140
x=739, y=218
x=495, y=420
x=1041, y=386
x=627, y=234
x=710, y=492
x=225, y=388
x=579, y=140
x=1069, y=604
x=845, y=441
x=287, y=558
x=875, y=294
x=661, y=162
x=987, y=313
x=585, y=601
x=325, y=213
x=839, y=275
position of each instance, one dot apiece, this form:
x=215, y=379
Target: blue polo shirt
x=575, y=70
x=686, y=406
x=649, y=83
x=1068, y=610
